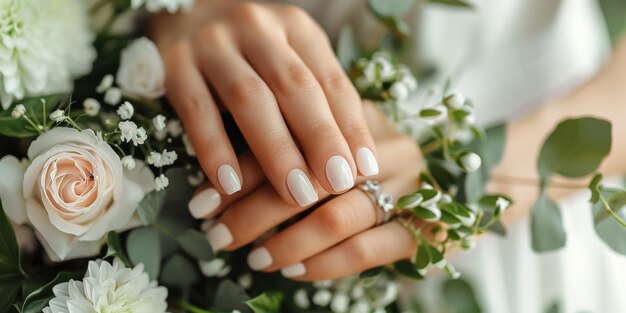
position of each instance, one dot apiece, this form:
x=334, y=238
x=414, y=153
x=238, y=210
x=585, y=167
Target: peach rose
x=73, y=191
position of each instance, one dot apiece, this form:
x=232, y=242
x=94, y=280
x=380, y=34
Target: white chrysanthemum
x=109, y=288
x=44, y=45
x=157, y=5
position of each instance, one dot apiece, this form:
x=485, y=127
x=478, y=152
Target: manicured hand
x=273, y=68
x=338, y=238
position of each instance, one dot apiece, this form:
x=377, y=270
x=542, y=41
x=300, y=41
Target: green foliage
x=144, y=246
x=179, y=272
x=230, y=296
x=459, y=297
x=547, y=230
x=114, y=248
x=35, y=110
x=389, y=13
x=10, y=269
x=594, y=187
x=39, y=298
x=608, y=229
x=490, y=151
x=268, y=302
x=454, y=3
x=150, y=207
x=196, y=245
x=575, y=148
x=347, y=48
x=368, y=277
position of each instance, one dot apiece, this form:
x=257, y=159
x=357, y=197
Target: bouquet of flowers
x=96, y=171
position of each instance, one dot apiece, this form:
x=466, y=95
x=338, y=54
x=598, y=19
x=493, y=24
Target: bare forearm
x=603, y=96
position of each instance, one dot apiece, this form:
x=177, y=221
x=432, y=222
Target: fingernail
x=219, y=237
x=300, y=187
x=295, y=270
x=259, y=259
x=204, y=203
x=339, y=173
x=366, y=162
x=228, y=179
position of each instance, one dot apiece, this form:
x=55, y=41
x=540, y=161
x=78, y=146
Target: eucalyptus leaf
x=114, y=248
x=21, y=128
x=389, y=8
x=575, y=148
x=608, y=229
x=144, y=246
x=179, y=272
x=150, y=207
x=196, y=245
x=407, y=269
x=460, y=297
x=9, y=248
x=38, y=299
x=268, y=302
x=347, y=47
x=369, y=276
x=230, y=296
x=10, y=285
x=546, y=224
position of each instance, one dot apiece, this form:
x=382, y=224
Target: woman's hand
x=272, y=67
x=338, y=238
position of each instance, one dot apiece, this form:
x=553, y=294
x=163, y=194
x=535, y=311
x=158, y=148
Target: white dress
x=509, y=56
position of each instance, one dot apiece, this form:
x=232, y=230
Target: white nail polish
x=366, y=162
x=204, y=203
x=339, y=173
x=259, y=259
x=301, y=188
x=295, y=270
x=228, y=179
x=219, y=237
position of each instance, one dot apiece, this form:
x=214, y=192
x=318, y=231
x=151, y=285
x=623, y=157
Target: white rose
x=141, y=73
x=73, y=192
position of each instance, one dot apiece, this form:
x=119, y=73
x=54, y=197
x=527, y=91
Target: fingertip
x=228, y=179
x=366, y=162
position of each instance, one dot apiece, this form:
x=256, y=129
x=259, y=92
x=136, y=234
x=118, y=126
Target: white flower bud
x=161, y=182
x=113, y=96
x=105, y=83
x=436, y=211
x=174, y=128
x=409, y=81
x=128, y=162
x=323, y=284
x=301, y=299
x=18, y=111
x=322, y=297
x=126, y=111
x=58, y=116
x=455, y=100
x=128, y=130
x=470, y=161
x=467, y=221
x=501, y=205
x=399, y=91
x=245, y=280
x=468, y=244
x=340, y=302
x=212, y=268
x=91, y=106
x=159, y=122
x=140, y=136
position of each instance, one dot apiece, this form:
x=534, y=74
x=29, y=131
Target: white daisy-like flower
x=91, y=106
x=161, y=182
x=44, y=46
x=18, y=111
x=171, y=6
x=109, y=288
x=126, y=111
x=159, y=122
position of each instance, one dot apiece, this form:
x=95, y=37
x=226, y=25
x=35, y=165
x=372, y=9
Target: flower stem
x=608, y=208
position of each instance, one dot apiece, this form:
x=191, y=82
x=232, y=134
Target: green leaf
x=369, y=276
x=150, y=207
x=434, y=255
x=196, y=244
x=608, y=229
x=422, y=259
x=459, y=297
x=389, y=8
x=429, y=113
x=144, y=246
x=179, y=272
x=554, y=308
x=34, y=109
x=114, y=248
x=410, y=201
x=455, y=3
x=594, y=187
x=575, y=148
x=38, y=299
x=9, y=248
x=347, y=48
x=492, y=147
x=498, y=228
x=230, y=296
x=546, y=225
x=268, y=302
x=406, y=268
x=10, y=285
x=424, y=214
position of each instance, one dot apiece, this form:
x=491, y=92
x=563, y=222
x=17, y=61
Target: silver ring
x=381, y=200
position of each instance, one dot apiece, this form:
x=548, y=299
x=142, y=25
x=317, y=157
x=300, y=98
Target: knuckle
x=322, y=129
x=212, y=34
x=336, y=220
x=247, y=91
x=296, y=13
x=296, y=78
x=177, y=51
x=336, y=82
x=357, y=131
x=248, y=12
x=362, y=250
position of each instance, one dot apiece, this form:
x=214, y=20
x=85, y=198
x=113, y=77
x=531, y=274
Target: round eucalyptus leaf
x=546, y=225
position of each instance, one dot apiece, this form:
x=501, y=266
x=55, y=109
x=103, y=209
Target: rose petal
x=11, y=189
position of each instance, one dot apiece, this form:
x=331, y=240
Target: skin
x=340, y=236
x=273, y=68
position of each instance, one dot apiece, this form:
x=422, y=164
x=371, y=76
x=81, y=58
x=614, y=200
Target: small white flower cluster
x=380, y=75
x=161, y=182
x=172, y=6
x=350, y=295
x=164, y=158
x=214, y=268
x=130, y=132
